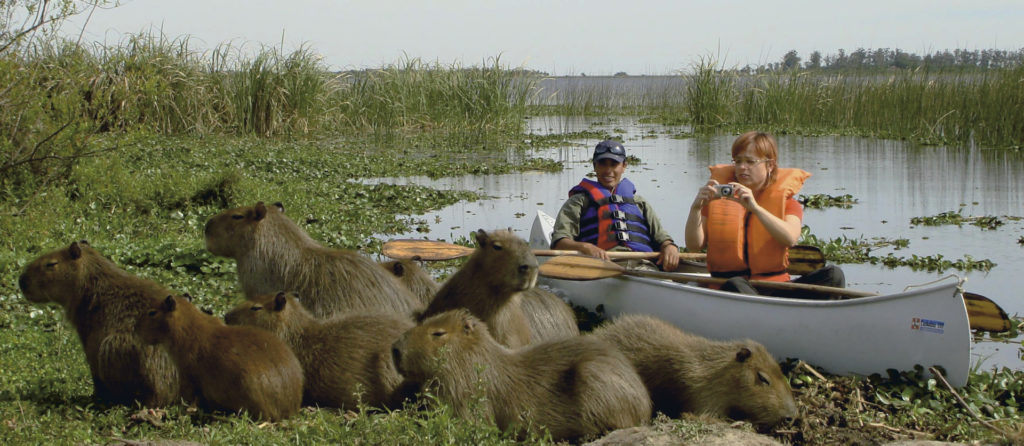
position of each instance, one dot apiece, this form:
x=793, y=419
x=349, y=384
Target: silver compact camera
x=723, y=190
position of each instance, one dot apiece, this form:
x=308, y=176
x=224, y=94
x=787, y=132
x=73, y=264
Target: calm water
x=892, y=181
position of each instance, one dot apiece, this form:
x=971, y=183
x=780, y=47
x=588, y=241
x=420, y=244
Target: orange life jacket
x=738, y=244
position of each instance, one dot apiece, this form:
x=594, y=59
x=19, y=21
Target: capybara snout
x=23, y=282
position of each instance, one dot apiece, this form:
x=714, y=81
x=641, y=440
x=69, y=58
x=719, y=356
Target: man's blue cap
x=610, y=149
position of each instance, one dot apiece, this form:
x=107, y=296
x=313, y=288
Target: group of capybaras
x=333, y=328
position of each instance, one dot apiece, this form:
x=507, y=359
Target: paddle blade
x=579, y=268
x=984, y=314
x=803, y=259
x=424, y=250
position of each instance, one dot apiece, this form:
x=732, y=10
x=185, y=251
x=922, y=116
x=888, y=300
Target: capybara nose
x=525, y=269
x=23, y=282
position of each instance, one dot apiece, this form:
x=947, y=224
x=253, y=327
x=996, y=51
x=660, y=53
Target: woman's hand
x=705, y=194
x=744, y=196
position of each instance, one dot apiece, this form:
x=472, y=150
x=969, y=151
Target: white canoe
x=922, y=326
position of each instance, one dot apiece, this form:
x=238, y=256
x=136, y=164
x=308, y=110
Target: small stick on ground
x=964, y=403
x=859, y=407
x=813, y=372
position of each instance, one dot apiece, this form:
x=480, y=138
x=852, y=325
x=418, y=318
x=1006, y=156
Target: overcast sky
x=569, y=37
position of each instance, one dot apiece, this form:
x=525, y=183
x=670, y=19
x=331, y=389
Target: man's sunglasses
x=613, y=148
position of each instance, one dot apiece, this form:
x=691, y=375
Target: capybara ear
x=398, y=269
x=83, y=242
x=481, y=237
x=75, y=251
x=279, y=205
x=187, y=296
x=169, y=304
x=743, y=354
x=469, y=323
x=261, y=211
x=279, y=301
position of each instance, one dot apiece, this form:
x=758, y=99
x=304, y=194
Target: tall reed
x=414, y=96
x=711, y=95
x=56, y=94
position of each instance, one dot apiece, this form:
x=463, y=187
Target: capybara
x=102, y=301
x=548, y=315
x=689, y=373
x=489, y=285
x=273, y=254
x=575, y=387
x=345, y=359
x=232, y=368
x=414, y=278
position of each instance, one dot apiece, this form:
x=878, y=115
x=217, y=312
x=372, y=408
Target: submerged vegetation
x=858, y=250
x=990, y=222
x=821, y=201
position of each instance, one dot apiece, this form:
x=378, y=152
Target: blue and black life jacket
x=612, y=219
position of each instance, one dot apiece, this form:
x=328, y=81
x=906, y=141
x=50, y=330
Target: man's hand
x=593, y=251
x=669, y=258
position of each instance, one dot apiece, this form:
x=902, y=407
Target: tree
x=790, y=60
x=815, y=60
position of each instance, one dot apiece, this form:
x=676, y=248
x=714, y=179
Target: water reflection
x=892, y=181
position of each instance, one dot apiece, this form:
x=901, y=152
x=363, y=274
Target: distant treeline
x=885, y=58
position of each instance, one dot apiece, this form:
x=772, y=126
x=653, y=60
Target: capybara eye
x=237, y=217
x=497, y=247
x=439, y=333
x=51, y=264
x=764, y=378
x=256, y=307
x=152, y=313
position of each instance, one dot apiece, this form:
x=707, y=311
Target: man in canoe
x=607, y=215
x=747, y=218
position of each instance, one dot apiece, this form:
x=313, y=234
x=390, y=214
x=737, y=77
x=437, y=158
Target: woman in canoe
x=747, y=218
x=607, y=215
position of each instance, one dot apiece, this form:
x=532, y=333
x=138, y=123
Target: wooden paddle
x=985, y=314
x=434, y=250
x=982, y=312
x=802, y=258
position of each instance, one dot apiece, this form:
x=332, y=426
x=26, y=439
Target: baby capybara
x=345, y=359
x=233, y=368
x=575, y=387
x=414, y=277
x=102, y=301
x=273, y=254
x=688, y=373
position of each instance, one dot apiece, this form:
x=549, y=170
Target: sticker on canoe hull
x=928, y=325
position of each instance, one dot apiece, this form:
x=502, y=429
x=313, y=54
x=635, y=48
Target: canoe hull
x=924, y=326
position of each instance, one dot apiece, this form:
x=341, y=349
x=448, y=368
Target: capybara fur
x=575, y=387
x=345, y=359
x=415, y=278
x=102, y=301
x=548, y=315
x=489, y=285
x=689, y=373
x=273, y=254
x=233, y=368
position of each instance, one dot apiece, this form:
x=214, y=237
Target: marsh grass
x=58, y=96
x=928, y=106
